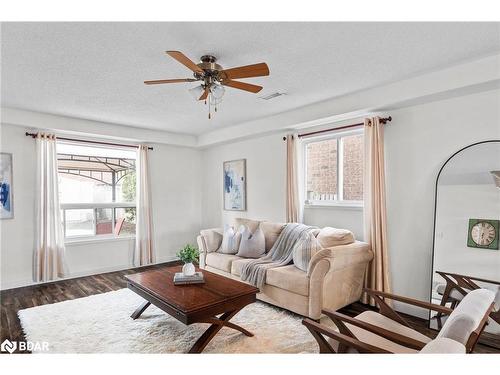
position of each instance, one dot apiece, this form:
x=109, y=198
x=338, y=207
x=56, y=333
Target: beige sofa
x=333, y=280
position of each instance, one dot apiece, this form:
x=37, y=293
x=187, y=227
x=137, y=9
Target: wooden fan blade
x=205, y=94
x=160, y=81
x=247, y=71
x=184, y=60
x=242, y=86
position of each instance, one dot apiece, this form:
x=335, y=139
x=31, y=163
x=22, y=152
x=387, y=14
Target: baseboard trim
x=27, y=283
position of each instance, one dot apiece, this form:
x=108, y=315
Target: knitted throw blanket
x=281, y=254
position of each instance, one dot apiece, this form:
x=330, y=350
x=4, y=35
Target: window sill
x=89, y=240
x=335, y=205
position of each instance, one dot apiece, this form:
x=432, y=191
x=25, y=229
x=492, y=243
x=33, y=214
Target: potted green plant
x=188, y=254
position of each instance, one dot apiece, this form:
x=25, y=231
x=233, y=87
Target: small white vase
x=188, y=269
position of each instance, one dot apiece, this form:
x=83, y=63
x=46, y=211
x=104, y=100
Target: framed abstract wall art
x=6, y=201
x=234, y=183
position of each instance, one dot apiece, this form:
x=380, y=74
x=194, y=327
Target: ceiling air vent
x=272, y=96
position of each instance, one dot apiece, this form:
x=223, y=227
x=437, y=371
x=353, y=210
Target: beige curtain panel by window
x=293, y=206
x=375, y=221
x=49, y=253
x=144, y=250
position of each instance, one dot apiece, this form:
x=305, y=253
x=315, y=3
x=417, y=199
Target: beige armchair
x=387, y=332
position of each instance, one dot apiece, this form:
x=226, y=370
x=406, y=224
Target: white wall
x=418, y=141
x=266, y=158
x=175, y=179
x=337, y=217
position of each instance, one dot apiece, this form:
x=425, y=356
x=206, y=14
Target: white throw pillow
x=252, y=245
x=304, y=250
x=230, y=241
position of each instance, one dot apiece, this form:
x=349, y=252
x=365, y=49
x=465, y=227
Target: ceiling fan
x=214, y=77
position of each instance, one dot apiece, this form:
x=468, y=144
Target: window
x=96, y=191
x=334, y=168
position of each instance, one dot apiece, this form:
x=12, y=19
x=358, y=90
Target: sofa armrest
x=342, y=256
x=336, y=276
x=210, y=240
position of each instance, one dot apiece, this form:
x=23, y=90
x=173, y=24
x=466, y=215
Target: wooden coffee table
x=199, y=303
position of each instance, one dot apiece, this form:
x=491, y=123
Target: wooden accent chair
x=457, y=286
x=387, y=332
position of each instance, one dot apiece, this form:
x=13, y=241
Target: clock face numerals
x=483, y=233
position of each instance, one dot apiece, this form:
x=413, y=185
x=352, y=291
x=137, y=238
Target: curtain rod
x=382, y=120
x=33, y=135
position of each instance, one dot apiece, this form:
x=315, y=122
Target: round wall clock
x=483, y=233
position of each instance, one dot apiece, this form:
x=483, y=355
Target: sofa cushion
x=252, y=245
x=212, y=239
x=220, y=261
x=237, y=265
x=271, y=232
x=251, y=224
x=304, y=250
x=289, y=278
x=380, y=320
x=329, y=237
x=230, y=241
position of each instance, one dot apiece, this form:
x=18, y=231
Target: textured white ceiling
x=95, y=70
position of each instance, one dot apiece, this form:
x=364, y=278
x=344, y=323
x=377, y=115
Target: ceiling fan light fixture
x=196, y=92
x=214, y=78
x=217, y=91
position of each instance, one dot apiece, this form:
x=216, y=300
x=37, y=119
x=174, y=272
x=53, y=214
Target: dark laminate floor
x=13, y=300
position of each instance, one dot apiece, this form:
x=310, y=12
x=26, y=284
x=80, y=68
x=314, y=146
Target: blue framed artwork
x=6, y=201
x=234, y=183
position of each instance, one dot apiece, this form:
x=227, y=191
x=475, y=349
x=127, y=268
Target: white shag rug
x=102, y=324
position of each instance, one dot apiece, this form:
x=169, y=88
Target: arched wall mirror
x=466, y=230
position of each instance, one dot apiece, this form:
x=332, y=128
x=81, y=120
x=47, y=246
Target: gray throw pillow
x=230, y=241
x=304, y=250
x=252, y=245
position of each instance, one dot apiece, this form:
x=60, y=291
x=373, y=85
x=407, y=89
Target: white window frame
x=340, y=171
x=94, y=206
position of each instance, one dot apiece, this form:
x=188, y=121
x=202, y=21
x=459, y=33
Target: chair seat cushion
x=382, y=321
x=289, y=278
x=220, y=261
x=237, y=265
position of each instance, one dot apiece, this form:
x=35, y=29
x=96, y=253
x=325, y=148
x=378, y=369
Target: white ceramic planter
x=188, y=269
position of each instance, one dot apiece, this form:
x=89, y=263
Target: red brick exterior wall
x=353, y=168
x=322, y=168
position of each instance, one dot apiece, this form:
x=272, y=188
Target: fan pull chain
x=209, y=110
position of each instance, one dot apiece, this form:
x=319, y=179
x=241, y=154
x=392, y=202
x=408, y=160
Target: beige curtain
x=49, y=253
x=144, y=250
x=375, y=222
x=293, y=205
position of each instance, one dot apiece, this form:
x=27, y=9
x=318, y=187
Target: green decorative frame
x=491, y=246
